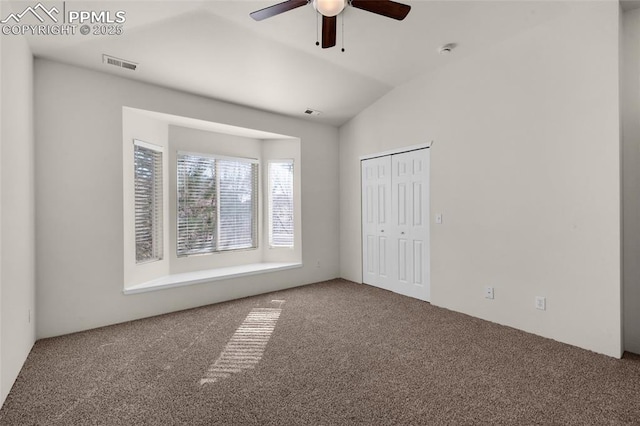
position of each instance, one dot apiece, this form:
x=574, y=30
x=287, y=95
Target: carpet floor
x=332, y=353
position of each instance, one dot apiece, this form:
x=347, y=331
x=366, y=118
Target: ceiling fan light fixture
x=329, y=8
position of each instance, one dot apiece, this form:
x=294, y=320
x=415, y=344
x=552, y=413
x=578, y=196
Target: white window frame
x=256, y=204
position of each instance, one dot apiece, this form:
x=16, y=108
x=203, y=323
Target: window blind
x=217, y=204
x=238, y=204
x=148, y=202
x=281, y=203
x=197, y=205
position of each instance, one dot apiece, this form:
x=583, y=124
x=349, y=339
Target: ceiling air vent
x=310, y=111
x=122, y=63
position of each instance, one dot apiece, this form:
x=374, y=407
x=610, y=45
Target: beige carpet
x=332, y=353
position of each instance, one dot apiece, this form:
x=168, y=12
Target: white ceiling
x=213, y=48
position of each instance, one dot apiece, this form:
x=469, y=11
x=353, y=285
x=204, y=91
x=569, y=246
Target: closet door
x=376, y=220
x=410, y=223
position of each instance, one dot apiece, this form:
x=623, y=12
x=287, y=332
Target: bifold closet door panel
x=410, y=227
x=376, y=222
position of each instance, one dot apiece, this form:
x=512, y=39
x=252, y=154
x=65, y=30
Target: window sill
x=198, y=277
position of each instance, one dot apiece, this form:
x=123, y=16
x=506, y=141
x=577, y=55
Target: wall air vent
x=121, y=63
x=310, y=111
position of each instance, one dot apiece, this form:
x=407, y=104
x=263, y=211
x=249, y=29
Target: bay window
x=206, y=202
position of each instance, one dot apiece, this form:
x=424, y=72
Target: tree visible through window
x=281, y=203
x=197, y=205
x=217, y=204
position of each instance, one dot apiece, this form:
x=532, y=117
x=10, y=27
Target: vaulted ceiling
x=214, y=49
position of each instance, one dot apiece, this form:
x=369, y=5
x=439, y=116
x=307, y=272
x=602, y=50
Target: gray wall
x=526, y=172
x=79, y=195
x=17, y=262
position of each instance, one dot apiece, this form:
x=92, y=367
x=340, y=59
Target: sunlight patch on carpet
x=246, y=347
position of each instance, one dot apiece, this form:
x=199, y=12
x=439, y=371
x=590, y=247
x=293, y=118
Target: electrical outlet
x=541, y=303
x=488, y=292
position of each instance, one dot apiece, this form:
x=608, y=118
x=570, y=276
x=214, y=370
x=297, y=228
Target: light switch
x=439, y=218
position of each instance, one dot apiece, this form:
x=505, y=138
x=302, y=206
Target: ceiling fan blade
x=329, y=27
x=277, y=9
x=388, y=8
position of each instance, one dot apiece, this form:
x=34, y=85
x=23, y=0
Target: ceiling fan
x=330, y=9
